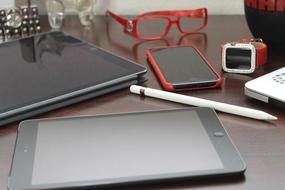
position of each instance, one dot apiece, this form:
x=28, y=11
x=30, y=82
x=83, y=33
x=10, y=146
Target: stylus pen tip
x=271, y=117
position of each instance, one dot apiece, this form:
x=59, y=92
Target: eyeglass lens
x=188, y=23
x=148, y=27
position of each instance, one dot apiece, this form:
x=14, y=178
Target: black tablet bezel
x=22, y=166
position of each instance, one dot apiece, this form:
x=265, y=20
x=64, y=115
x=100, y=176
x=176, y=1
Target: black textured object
x=19, y=22
x=266, y=20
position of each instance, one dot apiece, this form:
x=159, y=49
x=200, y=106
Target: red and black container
x=266, y=20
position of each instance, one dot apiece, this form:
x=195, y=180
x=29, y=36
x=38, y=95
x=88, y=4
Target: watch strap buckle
x=260, y=40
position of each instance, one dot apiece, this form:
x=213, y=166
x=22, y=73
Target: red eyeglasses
x=156, y=25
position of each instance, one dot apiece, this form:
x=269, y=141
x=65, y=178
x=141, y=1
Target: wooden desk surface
x=262, y=144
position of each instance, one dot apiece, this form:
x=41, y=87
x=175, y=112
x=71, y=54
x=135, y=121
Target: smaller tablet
x=108, y=150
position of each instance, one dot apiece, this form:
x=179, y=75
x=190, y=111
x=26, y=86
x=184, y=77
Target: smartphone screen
x=184, y=67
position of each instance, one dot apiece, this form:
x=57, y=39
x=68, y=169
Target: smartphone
x=182, y=68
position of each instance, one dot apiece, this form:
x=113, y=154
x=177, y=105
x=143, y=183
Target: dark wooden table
x=262, y=144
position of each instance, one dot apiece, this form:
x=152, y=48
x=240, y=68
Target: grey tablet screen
x=118, y=147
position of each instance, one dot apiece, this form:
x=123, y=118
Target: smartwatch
x=243, y=56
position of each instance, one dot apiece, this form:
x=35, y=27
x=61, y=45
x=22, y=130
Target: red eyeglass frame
x=130, y=26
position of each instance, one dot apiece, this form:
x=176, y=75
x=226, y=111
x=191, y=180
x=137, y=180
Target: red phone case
x=168, y=86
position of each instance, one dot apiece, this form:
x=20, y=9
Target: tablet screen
x=38, y=68
x=117, y=147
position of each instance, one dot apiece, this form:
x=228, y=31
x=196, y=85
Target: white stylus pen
x=227, y=108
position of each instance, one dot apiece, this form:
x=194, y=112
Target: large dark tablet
x=52, y=70
x=123, y=148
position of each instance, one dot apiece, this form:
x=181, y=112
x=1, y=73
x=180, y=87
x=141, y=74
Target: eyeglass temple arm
x=118, y=18
x=197, y=13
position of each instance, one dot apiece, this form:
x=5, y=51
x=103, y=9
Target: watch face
x=238, y=58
